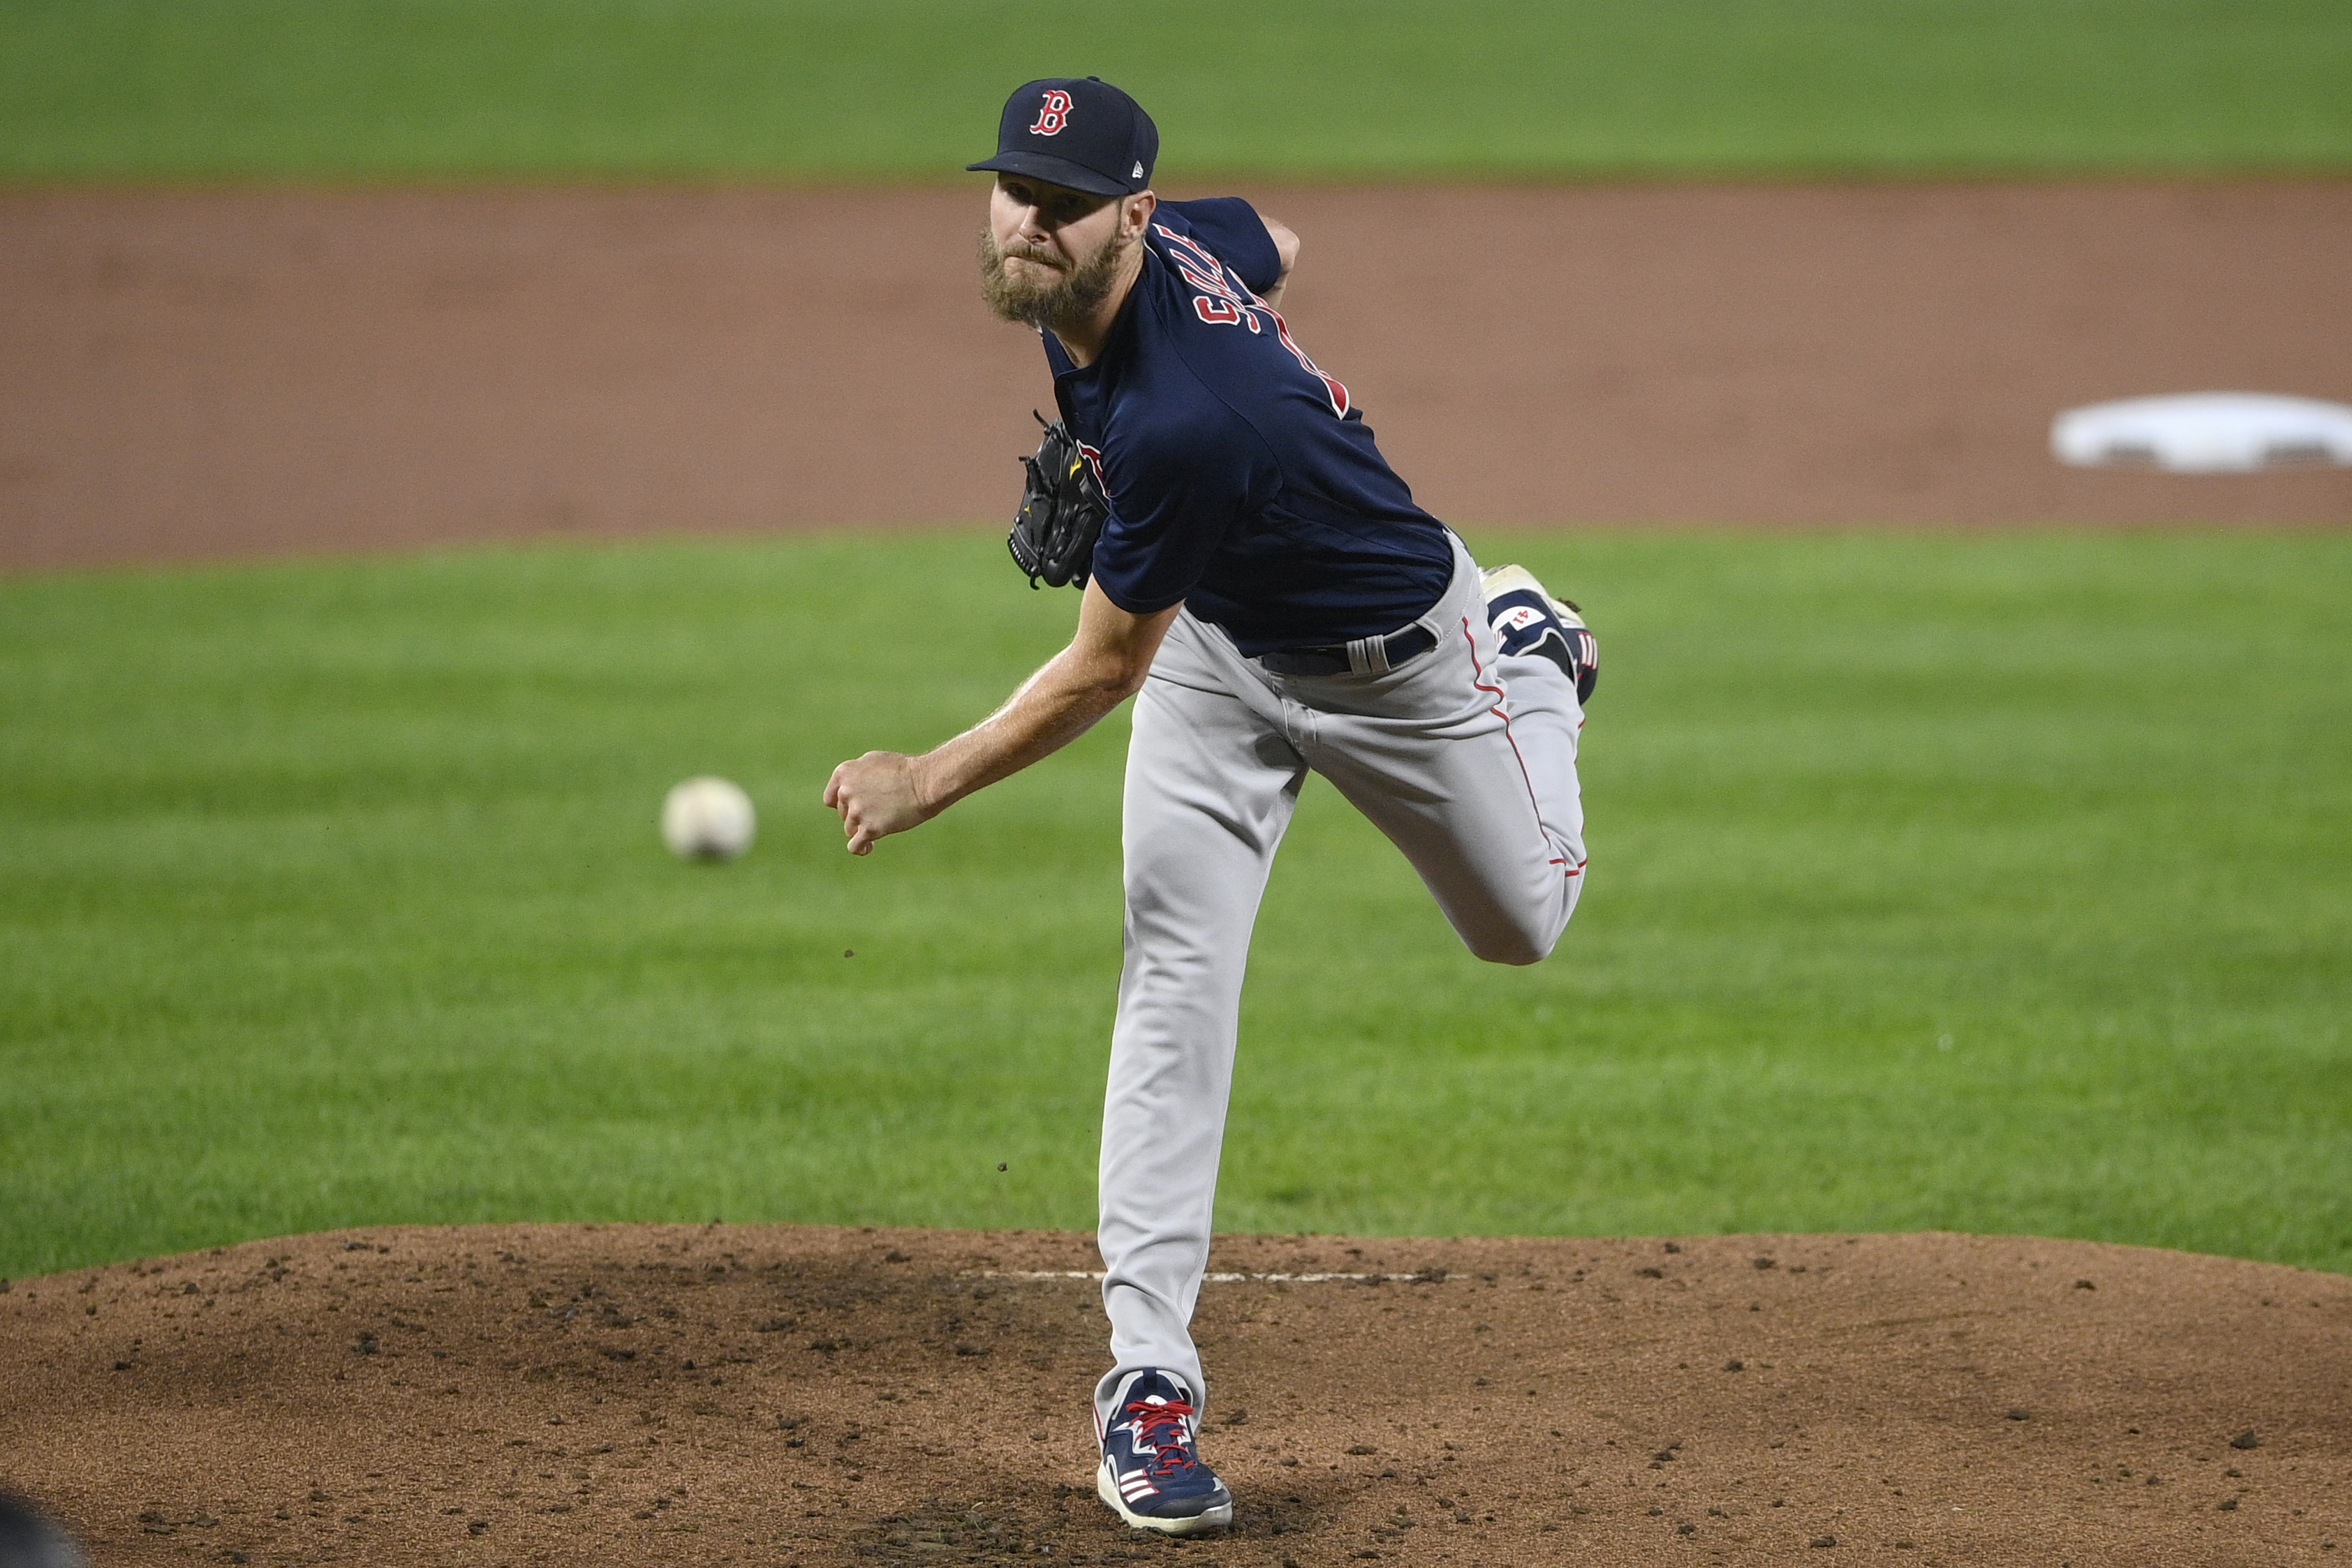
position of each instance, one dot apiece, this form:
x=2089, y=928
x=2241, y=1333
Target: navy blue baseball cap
x=1078, y=131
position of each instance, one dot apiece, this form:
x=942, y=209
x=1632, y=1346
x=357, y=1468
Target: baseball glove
x=1061, y=510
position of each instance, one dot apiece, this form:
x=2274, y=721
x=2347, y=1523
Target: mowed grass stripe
x=1992, y=882
x=823, y=89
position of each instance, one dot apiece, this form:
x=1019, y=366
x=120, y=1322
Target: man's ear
x=1139, y=208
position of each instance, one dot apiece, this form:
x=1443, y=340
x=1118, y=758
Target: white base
x=2205, y=433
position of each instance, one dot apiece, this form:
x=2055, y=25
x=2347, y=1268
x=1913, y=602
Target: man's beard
x=1065, y=301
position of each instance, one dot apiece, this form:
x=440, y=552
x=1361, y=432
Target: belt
x=1363, y=656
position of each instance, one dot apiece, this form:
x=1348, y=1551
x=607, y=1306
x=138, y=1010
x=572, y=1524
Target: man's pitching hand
x=876, y=796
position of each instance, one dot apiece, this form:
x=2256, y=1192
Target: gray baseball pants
x=1466, y=760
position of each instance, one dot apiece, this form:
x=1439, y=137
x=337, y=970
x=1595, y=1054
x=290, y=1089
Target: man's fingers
x=854, y=823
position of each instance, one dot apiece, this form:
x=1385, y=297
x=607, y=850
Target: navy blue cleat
x=1529, y=620
x=1151, y=1475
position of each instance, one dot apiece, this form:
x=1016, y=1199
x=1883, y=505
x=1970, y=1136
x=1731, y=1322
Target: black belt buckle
x=1332, y=658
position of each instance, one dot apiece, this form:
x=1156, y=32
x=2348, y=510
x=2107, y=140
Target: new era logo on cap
x=1076, y=131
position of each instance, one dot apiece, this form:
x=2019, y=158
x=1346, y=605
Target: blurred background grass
x=899, y=89
x=1992, y=882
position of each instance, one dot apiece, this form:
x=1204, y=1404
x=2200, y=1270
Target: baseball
x=708, y=819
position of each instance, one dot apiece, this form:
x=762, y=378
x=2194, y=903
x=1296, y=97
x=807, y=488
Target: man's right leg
x=1211, y=780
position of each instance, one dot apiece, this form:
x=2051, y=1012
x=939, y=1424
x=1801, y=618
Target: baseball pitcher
x=1260, y=581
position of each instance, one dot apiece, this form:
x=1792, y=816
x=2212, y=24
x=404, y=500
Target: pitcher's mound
x=766, y=1394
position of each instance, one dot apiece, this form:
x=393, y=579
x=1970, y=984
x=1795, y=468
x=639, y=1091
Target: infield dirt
x=186, y=375
x=749, y=1394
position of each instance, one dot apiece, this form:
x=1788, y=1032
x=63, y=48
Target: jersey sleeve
x=1235, y=235
x=1174, y=499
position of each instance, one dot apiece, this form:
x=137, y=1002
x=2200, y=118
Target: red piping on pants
x=1496, y=692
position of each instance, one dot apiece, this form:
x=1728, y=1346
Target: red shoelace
x=1162, y=1426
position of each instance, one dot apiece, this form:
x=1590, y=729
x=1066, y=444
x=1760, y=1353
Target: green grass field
x=827, y=89
x=1993, y=882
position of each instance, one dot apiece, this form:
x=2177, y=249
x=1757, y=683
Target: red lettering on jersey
x=1054, y=115
x=1332, y=389
x=1224, y=300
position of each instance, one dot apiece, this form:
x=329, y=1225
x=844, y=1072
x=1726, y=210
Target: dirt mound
x=195, y=373
x=766, y=1394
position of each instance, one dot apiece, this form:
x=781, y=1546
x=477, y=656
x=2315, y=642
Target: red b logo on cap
x=1054, y=115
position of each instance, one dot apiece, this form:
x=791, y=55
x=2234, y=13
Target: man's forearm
x=884, y=793
x=1068, y=696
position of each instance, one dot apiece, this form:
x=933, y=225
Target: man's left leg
x=1465, y=758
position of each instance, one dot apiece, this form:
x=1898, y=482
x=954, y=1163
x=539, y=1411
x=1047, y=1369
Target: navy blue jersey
x=1242, y=481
